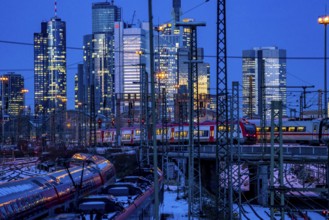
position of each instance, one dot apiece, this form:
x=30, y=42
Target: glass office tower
x=264, y=80
x=13, y=92
x=50, y=66
x=98, y=61
x=56, y=29
x=104, y=14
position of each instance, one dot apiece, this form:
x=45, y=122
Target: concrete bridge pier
x=258, y=180
x=181, y=172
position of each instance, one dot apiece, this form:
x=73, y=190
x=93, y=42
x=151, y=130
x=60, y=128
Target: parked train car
x=297, y=131
x=37, y=197
x=175, y=133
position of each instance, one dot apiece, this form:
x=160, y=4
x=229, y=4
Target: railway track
x=18, y=168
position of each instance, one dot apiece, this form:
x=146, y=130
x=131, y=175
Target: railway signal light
x=99, y=123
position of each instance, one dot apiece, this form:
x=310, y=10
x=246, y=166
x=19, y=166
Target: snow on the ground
x=173, y=208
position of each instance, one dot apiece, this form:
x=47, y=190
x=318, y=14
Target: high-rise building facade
x=132, y=44
x=264, y=80
x=131, y=57
x=104, y=14
x=99, y=72
x=79, y=88
x=50, y=66
x=40, y=69
x=13, y=92
x=97, y=82
x=176, y=11
x=203, y=70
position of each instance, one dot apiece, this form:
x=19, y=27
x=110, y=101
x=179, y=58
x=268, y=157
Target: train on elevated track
x=306, y=131
x=176, y=134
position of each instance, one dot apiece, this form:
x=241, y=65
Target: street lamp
x=325, y=20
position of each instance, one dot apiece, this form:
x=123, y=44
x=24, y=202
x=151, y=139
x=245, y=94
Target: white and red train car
x=311, y=131
x=178, y=133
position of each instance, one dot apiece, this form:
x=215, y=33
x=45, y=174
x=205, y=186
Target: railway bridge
x=291, y=153
x=311, y=160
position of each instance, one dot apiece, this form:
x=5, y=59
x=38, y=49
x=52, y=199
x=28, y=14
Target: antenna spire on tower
x=55, y=8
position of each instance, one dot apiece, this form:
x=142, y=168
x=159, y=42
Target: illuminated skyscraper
x=98, y=61
x=13, y=91
x=264, y=80
x=176, y=11
x=129, y=41
x=172, y=46
x=104, y=14
x=40, y=69
x=50, y=66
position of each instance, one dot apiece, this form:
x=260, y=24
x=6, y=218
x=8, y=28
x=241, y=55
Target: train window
x=276, y=129
x=266, y=129
x=204, y=133
x=37, y=182
x=315, y=128
x=138, y=132
x=250, y=129
x=3, y=211
x=10, y=210
x=126, y=137
x=14, y=206
x=158, y=131
x=182, y=134
x=284, y=129
x=291, y=129
x=301, y=129
x=223, y=128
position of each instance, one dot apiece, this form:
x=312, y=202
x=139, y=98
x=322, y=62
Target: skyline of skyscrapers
x=111, y=64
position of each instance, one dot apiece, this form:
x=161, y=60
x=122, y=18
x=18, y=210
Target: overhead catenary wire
x=208, y=56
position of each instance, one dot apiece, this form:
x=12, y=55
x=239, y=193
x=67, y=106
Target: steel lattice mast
x=222, y=146
x=235, y=174
x=144, y=120
x=194, y=177
x=276, y=125
x=155, y=148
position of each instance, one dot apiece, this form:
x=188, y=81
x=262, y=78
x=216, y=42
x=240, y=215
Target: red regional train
x=178, y=134
x=44, y=195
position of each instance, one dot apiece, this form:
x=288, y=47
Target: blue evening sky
x=287, y=24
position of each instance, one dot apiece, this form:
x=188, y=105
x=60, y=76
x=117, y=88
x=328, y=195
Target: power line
x=208, y=56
